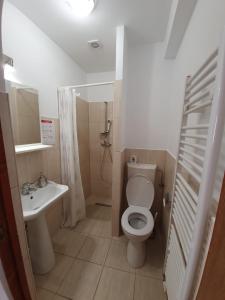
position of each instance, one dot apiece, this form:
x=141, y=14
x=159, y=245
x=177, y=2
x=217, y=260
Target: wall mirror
x=24, y=108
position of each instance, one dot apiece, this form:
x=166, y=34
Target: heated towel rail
x=200, y=140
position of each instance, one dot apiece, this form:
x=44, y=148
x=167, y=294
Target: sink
x=36, y=202
x=34, y=208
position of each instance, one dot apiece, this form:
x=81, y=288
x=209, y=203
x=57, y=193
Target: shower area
x=94, y=132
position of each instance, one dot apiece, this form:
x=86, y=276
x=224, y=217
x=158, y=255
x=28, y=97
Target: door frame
x=10, y=250
x=212, y=285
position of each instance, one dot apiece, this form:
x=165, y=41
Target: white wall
x=202, y=37
x=120, y=43
x=147, y=100
x=39, y=62
x=100, y=93
x=137, y=114
x=156, y=85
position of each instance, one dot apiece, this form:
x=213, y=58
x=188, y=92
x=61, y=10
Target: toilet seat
x=142, y=211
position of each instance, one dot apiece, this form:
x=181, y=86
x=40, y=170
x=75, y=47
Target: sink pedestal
x=41, y=250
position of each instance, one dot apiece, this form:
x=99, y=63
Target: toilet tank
x=148, y=170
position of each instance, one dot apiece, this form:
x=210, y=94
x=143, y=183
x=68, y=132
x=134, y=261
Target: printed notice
x=47, y=132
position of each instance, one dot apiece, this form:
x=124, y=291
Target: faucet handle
x=42, y=180
x=25, y=188
x=32, y=187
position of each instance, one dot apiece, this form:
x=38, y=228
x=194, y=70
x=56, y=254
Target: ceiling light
x=81, y=8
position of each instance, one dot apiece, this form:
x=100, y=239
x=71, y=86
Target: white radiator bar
x=190, y=162
x=215, y=133
x=195, y=173
x=197, y=99
x=206, y=63
x=175, y=266
x=188, y=187
x=201, y=87
x=198, y=107
x=199, y=147
x=202, y=126
x=186, y=203
x=208, y=71
x=194, y=136
x=189, y=200
x=192, y=154
x=190, y=171
x=181, y=233
x=184, y=216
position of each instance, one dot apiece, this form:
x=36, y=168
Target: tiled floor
x=90, y=264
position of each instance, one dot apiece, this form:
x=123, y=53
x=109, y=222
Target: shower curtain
x=74, y=201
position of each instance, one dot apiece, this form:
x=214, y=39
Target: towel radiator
x=200, y=140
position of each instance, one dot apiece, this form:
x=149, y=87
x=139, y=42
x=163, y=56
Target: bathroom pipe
x=106, y=115
x=209, y=172
x=106, y=144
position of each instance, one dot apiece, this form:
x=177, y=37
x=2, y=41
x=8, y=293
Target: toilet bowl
x=137, y=221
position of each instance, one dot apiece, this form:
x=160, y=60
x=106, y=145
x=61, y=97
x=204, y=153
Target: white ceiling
x=146, y=22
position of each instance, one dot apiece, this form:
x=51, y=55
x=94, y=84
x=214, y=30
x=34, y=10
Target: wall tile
x=99, y=187
x=82, y=108
x=170, y=165
x=96, y=111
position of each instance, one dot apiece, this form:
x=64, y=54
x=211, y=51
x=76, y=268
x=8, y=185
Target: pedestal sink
x=34, y=207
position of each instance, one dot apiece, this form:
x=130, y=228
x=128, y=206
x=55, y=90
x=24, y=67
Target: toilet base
x=136, y=253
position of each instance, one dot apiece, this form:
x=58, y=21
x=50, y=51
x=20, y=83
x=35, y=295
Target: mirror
x=25, y=116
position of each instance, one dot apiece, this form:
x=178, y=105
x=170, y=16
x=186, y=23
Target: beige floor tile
x=57, y=297
x=147, y=288
x=68, y=242
x=95, y=249
x=44, y=295
x=154, y=261
x=107, y=201
x=121, y=238
x=99, y=212
x=101, y=228
x=53, y=279
x=117, y=256
x=115, y=284
x=81, y=281
x=84, y=226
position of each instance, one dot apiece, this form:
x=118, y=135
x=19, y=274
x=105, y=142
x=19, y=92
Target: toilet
x=137, y=221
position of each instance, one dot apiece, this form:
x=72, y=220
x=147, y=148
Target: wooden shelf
x=20, y=149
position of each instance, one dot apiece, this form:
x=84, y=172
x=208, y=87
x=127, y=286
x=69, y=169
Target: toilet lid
x=140, y=191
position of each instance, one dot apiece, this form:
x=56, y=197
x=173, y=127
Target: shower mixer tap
x=108, y=128
x=106, y=144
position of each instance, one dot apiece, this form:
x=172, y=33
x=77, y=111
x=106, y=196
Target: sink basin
x=36, y=202
x=34, y=207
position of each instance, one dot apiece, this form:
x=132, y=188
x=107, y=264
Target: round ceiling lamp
x=81, y=8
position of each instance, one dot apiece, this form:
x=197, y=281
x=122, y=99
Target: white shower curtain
x=74, y=201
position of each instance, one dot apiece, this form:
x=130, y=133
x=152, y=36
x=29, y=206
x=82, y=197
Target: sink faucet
x=28, y=187
x=42, y=181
